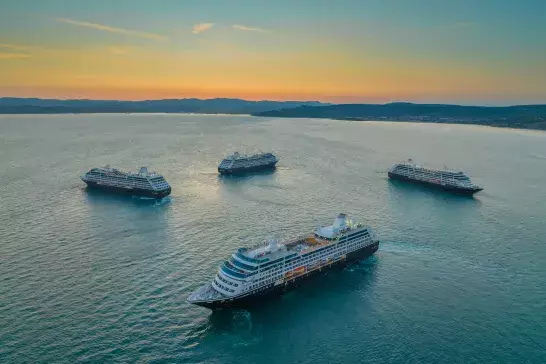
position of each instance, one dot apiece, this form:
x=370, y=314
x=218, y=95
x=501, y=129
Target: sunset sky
x=464, y=51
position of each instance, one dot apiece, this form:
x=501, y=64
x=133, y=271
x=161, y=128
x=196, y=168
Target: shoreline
x=492, y=125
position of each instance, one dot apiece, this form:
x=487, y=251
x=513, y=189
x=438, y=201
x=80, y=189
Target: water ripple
x=86, y=276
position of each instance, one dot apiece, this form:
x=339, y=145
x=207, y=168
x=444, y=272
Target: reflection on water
x=248, y=324
x=120, y=227
x=96, y=196
x=103, y=278
x=236, y=320
x=256, y=188
x=262, y=175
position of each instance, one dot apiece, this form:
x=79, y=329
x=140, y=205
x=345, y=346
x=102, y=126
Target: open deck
x=308, y=242
x=300, y=245
x=296, y=245
x=109, y=171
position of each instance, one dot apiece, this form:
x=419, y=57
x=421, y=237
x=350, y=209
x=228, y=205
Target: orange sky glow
x=321, y=53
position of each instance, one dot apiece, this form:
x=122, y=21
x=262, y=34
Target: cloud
x=248, y=29
x=11, y=46
x=118, y=50
x=110, y=29
x=13, y=55
x=18, y=47
x=201, y=27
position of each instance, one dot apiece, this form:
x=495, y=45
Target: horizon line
x=280, y=101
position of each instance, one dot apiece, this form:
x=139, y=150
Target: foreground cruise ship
x=452, y=181
x=252, y=274
x=142, y=183
x=237, y=163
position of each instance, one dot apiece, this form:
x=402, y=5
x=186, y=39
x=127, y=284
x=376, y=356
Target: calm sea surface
x=91, y=277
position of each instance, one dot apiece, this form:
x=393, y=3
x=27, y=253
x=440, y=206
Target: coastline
x=400, y=120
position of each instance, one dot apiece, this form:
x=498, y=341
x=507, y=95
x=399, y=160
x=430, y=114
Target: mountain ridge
x=517, y=116
x=15, y=105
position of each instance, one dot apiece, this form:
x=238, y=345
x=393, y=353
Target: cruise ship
x=252, y=274
x=237, y=163
x=143, y=183
x=453, y=181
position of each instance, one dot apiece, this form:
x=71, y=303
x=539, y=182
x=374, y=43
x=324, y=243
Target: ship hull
x=234, y=171
x=128, y=191
x=271, y=290
x=448, y=188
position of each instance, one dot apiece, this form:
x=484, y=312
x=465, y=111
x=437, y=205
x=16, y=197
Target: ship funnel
x=273, y=245
x=341, y=222
x=143, y=171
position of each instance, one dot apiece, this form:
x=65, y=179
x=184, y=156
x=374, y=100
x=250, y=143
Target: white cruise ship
x=237, y=163
x=250, y=274
x=142, y=183
x=449, y=180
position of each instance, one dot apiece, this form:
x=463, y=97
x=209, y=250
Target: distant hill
x=524, y=116
x=9, y=105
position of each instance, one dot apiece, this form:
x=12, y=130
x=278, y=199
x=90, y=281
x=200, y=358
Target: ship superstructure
x=252, y=273
x=237, y=163
x=143, y=183
x=445, y=179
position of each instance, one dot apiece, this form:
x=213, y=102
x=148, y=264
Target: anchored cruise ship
x=445, y=179
x=237, y=163
x=142, y=183
x=250, y=274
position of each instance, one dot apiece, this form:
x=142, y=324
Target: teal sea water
x=91, y=277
